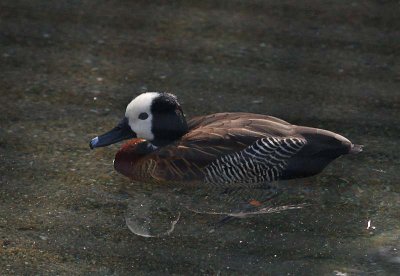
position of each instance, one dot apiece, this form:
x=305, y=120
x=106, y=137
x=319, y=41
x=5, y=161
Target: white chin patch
x=141, y=104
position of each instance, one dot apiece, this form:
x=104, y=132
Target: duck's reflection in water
x=151, y=215
x=155, y=213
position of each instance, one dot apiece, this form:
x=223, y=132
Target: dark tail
x=322, y=147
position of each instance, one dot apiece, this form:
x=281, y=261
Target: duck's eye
x=143, y=116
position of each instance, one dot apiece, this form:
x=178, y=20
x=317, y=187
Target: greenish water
x=69, y=69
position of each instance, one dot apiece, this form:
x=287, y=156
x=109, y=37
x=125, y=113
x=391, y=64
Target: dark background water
x=68, y=69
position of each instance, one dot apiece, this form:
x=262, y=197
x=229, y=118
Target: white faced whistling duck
x=222, y=149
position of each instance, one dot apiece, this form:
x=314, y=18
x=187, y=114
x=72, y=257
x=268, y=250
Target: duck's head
x=154, y=116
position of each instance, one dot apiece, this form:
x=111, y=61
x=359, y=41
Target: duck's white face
x=139, y=115
x=154, y=116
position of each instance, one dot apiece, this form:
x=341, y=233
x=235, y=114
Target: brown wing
x=217, y=118
x=209, y=138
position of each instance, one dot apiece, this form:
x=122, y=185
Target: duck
x=230, y=149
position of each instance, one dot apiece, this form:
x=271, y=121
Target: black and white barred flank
x=259, y=163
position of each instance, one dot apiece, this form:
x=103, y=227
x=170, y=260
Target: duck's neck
x=156, y=143
x=168, y=127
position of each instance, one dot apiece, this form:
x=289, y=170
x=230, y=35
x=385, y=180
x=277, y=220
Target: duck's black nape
x=169, y=123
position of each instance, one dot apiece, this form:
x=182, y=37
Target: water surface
x=69, y=69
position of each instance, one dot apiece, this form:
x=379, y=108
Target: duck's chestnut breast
x=127, y=156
